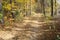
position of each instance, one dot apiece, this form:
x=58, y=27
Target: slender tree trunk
x=52, y=8
x=38, y=6
x=30, y=7
x=41, y=2
x=43, y=8
x=55, y=8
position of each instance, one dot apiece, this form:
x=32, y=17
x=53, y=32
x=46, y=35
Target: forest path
x=33, y=28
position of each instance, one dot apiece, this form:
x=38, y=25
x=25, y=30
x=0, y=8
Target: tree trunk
x=43, y=8
x=52, y=8
x=55, y=8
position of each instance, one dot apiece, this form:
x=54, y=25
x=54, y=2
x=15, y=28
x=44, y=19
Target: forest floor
x=32, y=28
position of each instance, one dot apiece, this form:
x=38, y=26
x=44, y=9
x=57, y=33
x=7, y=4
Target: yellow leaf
x=8, y=6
